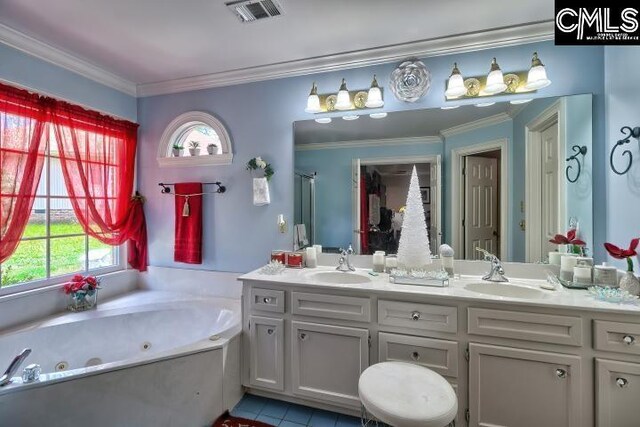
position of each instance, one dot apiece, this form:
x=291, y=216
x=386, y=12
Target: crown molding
x=416, y=140
x=476, y=124
x=501, y=37
x=65, y=60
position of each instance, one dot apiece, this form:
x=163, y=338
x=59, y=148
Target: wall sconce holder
x=358, y=100
x=475, y=85
x=578, y=150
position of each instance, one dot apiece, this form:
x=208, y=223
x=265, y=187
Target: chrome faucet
x=496, y=274
x=13, y=367
x=344, y=262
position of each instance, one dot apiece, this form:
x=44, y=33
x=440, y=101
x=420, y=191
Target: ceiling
x=146, y=41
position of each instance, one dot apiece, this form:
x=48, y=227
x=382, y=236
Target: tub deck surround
x=561, y=298
x=556, y=358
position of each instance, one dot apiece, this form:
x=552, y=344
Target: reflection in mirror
x=514, y=175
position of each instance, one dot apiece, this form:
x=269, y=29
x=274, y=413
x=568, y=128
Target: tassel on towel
x=185, y=207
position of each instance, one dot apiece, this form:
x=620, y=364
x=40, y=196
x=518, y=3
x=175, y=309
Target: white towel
x=301, y=235
x=261, y=192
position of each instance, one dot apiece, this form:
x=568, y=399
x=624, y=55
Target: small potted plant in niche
x=194, y=148
x=177, y=149
x=83, y=292
x=212, y=149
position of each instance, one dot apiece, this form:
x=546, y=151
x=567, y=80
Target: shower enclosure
x=304, y=203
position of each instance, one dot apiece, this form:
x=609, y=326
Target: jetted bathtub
x=149, y=358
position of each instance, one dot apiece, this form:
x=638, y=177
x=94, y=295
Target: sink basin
x=508, y=290
x=340, y=278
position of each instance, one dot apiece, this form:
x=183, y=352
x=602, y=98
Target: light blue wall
x=40, y=76
x=259, y=117
x=333, y=192
x=622, y=202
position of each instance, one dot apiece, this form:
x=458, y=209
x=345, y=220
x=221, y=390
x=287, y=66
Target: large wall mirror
x=505, y=177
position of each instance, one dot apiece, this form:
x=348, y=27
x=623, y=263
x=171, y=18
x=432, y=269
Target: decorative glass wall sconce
x=628, y=133
x=344, y=99
x=496, y=82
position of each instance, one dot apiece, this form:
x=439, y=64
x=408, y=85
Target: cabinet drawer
x=438, y=355
x=616, y=336
x=418, y=316
x=552, y=329
x=267, y=300
x=331, y=306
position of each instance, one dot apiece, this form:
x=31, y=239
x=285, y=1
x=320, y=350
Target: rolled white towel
x=261, y=192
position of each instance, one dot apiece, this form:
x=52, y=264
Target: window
x=54, y=244
x=195, y=138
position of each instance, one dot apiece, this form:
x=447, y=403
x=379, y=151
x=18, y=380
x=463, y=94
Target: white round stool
x=407, y=395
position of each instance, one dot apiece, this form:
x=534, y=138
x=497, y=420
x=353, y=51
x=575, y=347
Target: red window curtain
x=97, y=155
x=22, y=148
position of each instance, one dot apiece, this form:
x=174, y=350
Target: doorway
x=380, y=192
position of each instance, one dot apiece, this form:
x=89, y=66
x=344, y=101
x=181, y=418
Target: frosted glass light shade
x=374, y=96
x=343, y=101
x=495, y=79
x=313, y=101
x=378, y=115
x=455, y=85
x=537, y=77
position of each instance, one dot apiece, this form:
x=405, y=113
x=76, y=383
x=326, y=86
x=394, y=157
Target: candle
x=585, y=261
x=318, y=249
x=567, y=262
x=294, y=259
x=312, y=259
x=605, y=275
x=447, y=264
x=554, y=258
x=278, y=256
x=582, y=274
x=391, y=263
x=378, y=261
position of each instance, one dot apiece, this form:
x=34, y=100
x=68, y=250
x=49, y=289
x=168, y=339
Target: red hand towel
x=188, y=243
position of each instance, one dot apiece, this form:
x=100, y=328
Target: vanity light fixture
x=378, y=115
x=495, y=79
x=374, y=96
x=520, y=101
x=455, y=85
x=343, y=101
x=323, y=120
x=485, y=104
x=313, y=101
x=537, y=76
x=350, y=117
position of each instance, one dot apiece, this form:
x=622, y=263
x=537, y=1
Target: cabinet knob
x=415, y=315
x=415, y=356
x=270, y=331
x=302, y=336
x=628, y=339
x=266, y=300
x=622, y=382
x=561, y=373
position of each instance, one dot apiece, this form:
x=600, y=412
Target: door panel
x=617, y=393
x=481, y=206
x=267, y=352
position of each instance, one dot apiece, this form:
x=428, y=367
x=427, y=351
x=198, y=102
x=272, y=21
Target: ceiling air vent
x=254, y=10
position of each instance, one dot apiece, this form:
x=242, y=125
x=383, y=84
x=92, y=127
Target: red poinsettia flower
x=569, y=239
x=619, y=253
x=91, y=280
x=77, y=278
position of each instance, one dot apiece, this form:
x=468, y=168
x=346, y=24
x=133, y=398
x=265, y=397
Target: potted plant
x=629, y=282
x=212, y=149
x=194, y=148
x=83, y=292
x=177, y=149
x=574, y=245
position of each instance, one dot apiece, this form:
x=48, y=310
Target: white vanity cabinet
x=618, y=385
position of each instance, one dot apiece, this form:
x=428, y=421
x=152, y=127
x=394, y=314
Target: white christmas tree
x=414, y=252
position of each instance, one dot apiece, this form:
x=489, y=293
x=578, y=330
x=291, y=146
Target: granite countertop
x=380, y=284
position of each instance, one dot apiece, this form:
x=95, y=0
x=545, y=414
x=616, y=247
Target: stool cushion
x=407, y=395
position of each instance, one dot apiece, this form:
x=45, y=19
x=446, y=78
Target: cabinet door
x=512, y=387
x=617, y=393
x=327, y=361
x=267, y=352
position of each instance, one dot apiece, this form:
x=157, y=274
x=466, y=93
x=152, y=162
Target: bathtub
x=148, y=358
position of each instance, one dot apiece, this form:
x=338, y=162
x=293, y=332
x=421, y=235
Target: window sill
x=215, y=159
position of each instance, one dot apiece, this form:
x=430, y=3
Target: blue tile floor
x=284, y=414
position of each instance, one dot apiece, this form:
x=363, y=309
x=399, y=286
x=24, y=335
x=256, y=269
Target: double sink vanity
x=516, y=354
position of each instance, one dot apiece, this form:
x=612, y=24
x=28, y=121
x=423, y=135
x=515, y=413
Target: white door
x=355, y=187
x=267, y=352
x=511, y=387
x=481, y=206
x=326, y=361
x=617, y=393
x=549, y=188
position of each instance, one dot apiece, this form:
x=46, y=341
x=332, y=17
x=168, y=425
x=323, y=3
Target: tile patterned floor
x=284, y=414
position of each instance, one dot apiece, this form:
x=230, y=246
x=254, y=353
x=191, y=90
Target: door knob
x=266, y=300
x=302, y=336
x=415, y=315
x=622, y=382
x=270, y=331
x=561, y=373
x=628, y=339
x=415, y=356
